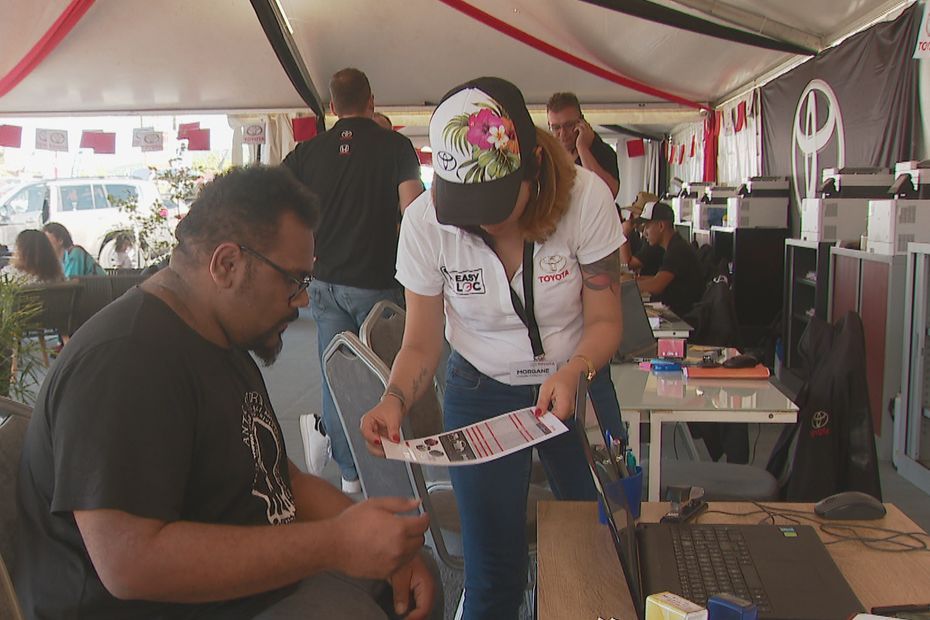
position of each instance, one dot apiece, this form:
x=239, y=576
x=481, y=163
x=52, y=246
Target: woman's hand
x=382, y=421
x=560, y=389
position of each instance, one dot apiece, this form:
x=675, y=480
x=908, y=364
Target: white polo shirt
x=481, y=324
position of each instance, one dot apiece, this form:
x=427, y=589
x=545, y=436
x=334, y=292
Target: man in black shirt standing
x=679, y=283
x=566, y=122
x=365, y=176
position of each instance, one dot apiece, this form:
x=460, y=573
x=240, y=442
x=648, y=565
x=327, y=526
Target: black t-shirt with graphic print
x=686, y=289
x=141, y=414
x=355, y=169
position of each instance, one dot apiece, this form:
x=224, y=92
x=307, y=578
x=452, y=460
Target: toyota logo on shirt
x=820, y=424
x=553, y=269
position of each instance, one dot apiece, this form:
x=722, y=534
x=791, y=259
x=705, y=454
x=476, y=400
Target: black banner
x=855, y=105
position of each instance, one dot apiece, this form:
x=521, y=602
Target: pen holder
x=632, y=494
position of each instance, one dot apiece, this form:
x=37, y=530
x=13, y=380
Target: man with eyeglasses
x=154, y=467
x=365, y=176
x=567, y=123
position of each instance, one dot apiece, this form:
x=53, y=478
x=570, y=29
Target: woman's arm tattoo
x=603, y=274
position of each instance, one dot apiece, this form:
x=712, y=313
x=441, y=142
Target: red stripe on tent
x=542, y=46
x=44, y=46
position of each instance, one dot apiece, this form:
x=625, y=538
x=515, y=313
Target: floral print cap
x=480, y=134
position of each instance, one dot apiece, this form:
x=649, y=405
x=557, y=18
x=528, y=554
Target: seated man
x=642, y=257
x=679, y=283
x=154, y=482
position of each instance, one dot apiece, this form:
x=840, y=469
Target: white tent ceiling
x=139, y=55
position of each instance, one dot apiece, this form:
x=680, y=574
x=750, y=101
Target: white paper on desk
x=655, y=322
x=478, y=443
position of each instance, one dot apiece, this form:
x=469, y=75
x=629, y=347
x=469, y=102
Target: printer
x=683, y=203
x=905, y=216
x=842, y=210
x=761, y=202
x=711, y=209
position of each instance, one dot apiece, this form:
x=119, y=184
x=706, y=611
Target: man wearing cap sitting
x=643, y=258
x=679, y=283
x=567, y=123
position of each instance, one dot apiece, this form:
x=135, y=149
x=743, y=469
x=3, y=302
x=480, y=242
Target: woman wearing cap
x=508, y=215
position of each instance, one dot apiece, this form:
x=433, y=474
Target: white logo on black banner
x=816, y=120
x=468, y=282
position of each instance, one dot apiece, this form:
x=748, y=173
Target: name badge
x=531, y=373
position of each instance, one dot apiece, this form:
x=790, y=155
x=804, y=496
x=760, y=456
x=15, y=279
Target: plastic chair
x=14, y=419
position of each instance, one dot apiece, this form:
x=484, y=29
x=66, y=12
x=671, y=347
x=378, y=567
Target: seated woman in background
x=34, y=260
x=76, y=261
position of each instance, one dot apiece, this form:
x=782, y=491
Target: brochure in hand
x=478, y=443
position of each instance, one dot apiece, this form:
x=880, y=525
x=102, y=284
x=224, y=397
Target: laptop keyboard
x=714, y=560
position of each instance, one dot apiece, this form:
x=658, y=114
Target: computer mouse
x=740, y=361
x=850, y=506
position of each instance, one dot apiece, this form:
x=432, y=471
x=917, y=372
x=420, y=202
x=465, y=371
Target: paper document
x=478, y=443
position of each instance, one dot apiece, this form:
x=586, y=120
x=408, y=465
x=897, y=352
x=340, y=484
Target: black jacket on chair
x=833, y=440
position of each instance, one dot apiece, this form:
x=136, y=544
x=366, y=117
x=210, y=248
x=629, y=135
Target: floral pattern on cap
x=490, y=138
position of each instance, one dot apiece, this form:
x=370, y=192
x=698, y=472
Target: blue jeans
x=492, y=497
x=337, y=308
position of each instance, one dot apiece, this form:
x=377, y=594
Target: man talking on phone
x=566, y=122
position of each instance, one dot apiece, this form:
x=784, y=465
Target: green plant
x=152, y=228
x=17, y=314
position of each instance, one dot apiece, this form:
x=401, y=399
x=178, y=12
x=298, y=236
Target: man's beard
x=269, y=353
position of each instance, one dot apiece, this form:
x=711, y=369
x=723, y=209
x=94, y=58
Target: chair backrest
x=14, y=419
x=356, y=379
x=98, y=292
x=59, y=302
x=121, y=283
x=383, y=332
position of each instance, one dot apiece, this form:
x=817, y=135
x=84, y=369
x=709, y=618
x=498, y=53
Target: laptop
x=785, y=570
x=637, y=339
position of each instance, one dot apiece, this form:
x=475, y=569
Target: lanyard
x=526, y=313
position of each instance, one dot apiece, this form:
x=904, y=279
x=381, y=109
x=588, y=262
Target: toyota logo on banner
x=818, y=123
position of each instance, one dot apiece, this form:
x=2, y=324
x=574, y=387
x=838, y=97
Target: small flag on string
x=52, y=140
x=740, y=117
x=102, y=142
x=11, y=135
x=253, y=133
x=304, y=128
x=185, y=128
x=198, y=140
x=693, y=145
x=152, y=141
x=681, y=156
x=635, y=148
x=137, y=134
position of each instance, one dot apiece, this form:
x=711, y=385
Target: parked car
x=84, y=206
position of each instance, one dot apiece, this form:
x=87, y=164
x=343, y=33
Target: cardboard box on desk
x=668, y=606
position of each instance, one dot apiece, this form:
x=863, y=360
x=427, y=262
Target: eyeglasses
x=566, y=126
x=300, y=283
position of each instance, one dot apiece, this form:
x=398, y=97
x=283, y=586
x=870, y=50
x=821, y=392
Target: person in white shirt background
x=516, y=251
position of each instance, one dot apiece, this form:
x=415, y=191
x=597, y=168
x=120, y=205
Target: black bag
x=832, y=446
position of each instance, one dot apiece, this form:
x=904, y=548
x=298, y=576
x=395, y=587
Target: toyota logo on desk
x=818, y=124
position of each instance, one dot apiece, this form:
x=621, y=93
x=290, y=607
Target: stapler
x=686, y=503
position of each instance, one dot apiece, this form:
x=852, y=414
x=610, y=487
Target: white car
x=84, y=206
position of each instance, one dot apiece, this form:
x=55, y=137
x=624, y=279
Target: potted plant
x=19, y=359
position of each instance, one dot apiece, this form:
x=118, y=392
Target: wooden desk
x=579, y=574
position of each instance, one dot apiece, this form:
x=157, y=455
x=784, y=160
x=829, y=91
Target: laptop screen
x=610, y=490
x=637, y=336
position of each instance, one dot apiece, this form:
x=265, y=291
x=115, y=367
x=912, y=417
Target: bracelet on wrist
x=393, y=391
x=591, y=369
